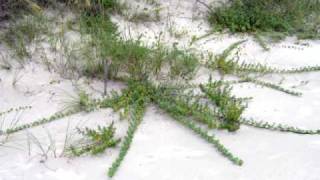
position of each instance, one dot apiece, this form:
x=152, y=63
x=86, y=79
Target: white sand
x=163, y=149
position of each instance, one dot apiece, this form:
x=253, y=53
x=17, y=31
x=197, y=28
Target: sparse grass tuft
x=182, y=64
x=79, y=102
x=5, y=63
x=22, y=32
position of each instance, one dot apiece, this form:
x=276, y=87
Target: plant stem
x=39, y=122
x=278, y=127
x=136, y=118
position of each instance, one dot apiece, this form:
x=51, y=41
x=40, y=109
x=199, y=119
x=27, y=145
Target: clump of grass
x=22, y=32
x=95, y=141
x=79, y=102
x=287, y=16
x=132, y=58
x=124, y=54
x=182, y=63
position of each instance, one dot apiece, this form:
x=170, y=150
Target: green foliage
x=95, y=141
x=229, y=106
x=136, y=117
x=83, y=100
x=97, y=50
x=132, y=58
x=186, y=106
x=138, y=94
x=108, y=4
x=221, y=63
x=80, y=102
x=186, y=111
x=182, y=63
x=261, y=42
x=176, y=114
x=291, y=16
x=135, y=99
x=226, y=65
x=137, y=64
x=128, y=56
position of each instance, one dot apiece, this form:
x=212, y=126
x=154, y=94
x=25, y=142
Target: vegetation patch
x=198, y=107
x=292, y=17
x=23, y=32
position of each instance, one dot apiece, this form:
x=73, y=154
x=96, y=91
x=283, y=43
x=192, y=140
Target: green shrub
x=292, y=16
x=132, y=57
